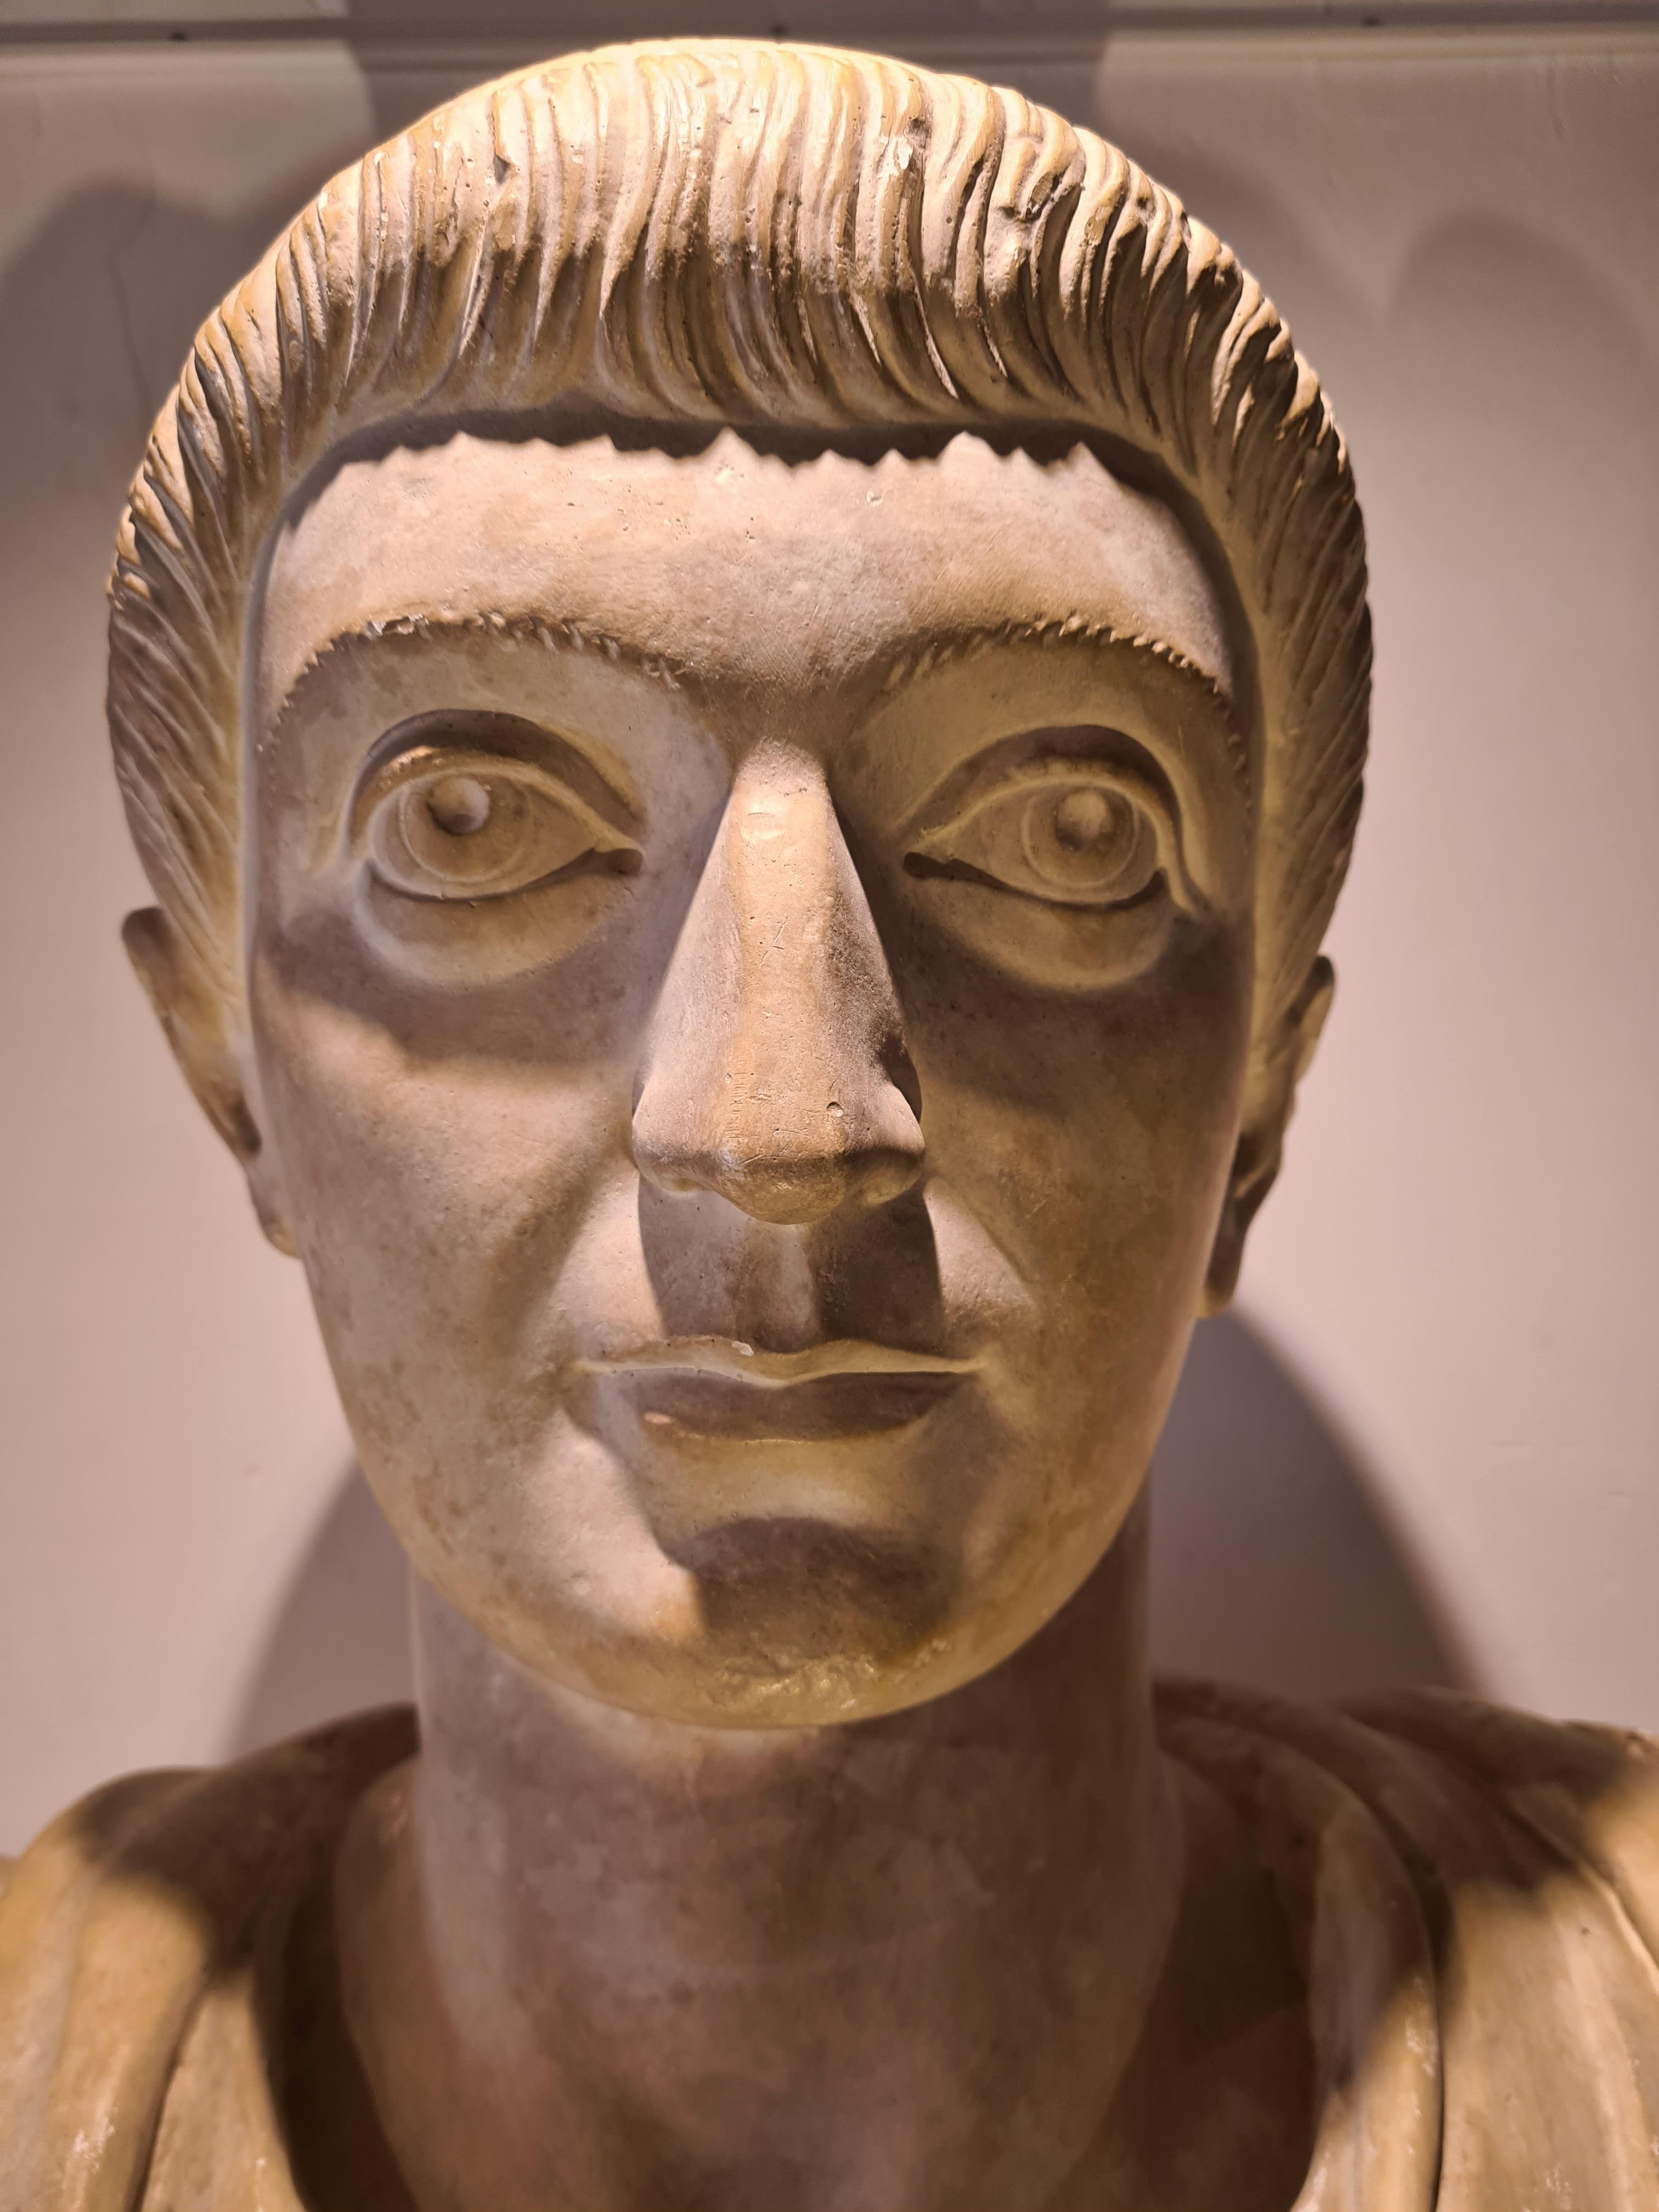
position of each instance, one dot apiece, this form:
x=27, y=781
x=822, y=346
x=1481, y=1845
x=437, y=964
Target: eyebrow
x=909, y=666
x=917, y=662
x=518, y=629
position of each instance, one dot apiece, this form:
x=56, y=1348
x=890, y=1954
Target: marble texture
x=741, y=674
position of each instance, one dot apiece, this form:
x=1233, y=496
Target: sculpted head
x=742, y=675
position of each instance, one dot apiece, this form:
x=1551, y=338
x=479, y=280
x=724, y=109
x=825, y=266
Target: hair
x=757, y=235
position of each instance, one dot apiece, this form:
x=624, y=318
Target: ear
x=1270, y=1097
x=192, y=1017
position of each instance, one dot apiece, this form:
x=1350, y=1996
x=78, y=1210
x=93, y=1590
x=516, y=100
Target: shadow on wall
x=339, y=1640
x=1272, y=1565
x=1272, y=1562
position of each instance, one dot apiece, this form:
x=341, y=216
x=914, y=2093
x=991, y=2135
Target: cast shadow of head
x=1273, y=1564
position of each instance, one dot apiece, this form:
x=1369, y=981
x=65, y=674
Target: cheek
x=1092, y=1139
x=429, y=1198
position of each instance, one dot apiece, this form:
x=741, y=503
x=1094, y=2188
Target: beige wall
x=1426, y=1448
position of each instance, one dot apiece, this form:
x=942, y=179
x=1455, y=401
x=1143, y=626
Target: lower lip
x=828, y=1409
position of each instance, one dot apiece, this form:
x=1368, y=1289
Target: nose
x=768, y=1073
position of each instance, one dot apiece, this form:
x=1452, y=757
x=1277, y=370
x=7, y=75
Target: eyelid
x=982, y=787
x=479, y=738
x=420, y=760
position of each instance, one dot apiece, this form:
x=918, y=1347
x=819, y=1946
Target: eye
x=1067, y=832
x=466, y=828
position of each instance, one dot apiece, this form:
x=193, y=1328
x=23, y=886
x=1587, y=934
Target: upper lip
x=733, y=1359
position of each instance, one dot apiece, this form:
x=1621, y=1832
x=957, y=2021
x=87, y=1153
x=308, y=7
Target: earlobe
x=1269, y=1102
x=192, y=1019
x=1253, y=1172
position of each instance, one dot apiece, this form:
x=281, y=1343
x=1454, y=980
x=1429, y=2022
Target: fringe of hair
x=745, y=234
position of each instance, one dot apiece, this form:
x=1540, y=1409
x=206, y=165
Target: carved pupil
x=1088, y=841
x=1080, y=819
x=458, y=804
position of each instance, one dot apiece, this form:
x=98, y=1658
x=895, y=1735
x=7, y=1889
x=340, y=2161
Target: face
x=749, y=965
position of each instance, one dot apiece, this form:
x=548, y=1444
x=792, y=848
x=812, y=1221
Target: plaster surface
x=1433, y=216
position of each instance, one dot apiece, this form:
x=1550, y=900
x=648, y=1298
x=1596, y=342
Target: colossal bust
x=742, y=675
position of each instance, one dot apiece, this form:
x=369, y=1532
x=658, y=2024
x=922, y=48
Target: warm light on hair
x=755, y=235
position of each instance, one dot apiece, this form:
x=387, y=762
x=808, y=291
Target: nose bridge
x=767, y=1077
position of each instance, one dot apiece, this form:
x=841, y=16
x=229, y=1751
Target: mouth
x=721, y=1389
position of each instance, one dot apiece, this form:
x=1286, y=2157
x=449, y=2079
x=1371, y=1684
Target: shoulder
x=1460, y=1789
x=1478, y=1891
x=120, y=1922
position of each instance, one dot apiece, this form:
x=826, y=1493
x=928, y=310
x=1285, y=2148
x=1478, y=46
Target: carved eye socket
x=1070, y=834
x=460, y=828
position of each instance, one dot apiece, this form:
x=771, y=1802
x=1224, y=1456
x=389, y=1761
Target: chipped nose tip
x=784, y=1189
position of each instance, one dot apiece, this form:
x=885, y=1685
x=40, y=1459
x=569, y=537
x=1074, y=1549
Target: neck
x=901, y=1962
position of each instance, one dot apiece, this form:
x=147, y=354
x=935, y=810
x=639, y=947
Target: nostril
x=900, y=1070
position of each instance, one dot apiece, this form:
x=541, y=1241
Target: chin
x=811, y=1617
x=801, y=1623
x=786, y=1623
x=777, y=1585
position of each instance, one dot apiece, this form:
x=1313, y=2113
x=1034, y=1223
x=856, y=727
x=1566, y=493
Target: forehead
x=734, y=563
